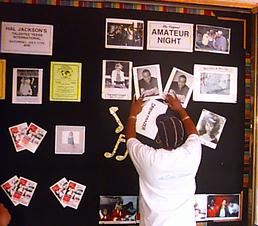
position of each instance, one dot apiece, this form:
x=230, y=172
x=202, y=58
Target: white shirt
x=167, y=182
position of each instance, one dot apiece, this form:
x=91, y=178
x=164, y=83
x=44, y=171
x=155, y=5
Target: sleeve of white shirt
x=140, y=154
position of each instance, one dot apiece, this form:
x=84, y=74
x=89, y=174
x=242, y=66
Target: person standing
x=167, y=174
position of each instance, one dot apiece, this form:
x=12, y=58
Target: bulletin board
x=79, y=36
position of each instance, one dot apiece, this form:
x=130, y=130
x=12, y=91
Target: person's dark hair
x=146, y=70
x=182, y=76
x=215, y=121
x=170, y=131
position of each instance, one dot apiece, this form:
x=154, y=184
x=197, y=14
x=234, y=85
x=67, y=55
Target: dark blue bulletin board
x=79, y=36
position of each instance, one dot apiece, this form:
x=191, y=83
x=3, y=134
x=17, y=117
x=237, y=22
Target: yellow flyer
x=2, y=78
x=65, y=81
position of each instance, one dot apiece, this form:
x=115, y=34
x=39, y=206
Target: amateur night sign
x=170, y=36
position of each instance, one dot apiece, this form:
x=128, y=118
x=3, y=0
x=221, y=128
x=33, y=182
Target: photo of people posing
x=124, y=34
x=118, y=210
x=212, y=39
x=217, y=207
x=27, y=86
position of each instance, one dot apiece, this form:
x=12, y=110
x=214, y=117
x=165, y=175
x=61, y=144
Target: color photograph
x=124, y=34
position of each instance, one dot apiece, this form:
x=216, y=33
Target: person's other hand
x=5, y=216
x=173, y=102
x=136, y=106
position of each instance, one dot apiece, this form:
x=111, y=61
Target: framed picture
x=65, y=81
x=118, y=210
x=212, y=39
x=215, y=83
x=27, y=86
x=26, y=38
x=2, y=78
x=209, y=127
x=117, y=80
x=224, y=207
x=70, y=140
x=170, y=36
x=147, y=81
x=218, y=207
x=124, y=34
x=180, y=83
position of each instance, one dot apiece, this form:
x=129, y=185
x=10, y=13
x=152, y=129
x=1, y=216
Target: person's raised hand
x=173, y=102
x=136, y=106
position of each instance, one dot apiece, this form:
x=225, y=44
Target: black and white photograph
x=210, y=126
x=223, y=207
x=180, y=83
x=124, y=34
x=170, y=36
x=117, y=80
x=70, y=139
x=215, y=83
x=147, y=81
x=118, y=210
x=212, y=39
x=27, y=86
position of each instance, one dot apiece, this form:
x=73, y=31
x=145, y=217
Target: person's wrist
x=132, y=117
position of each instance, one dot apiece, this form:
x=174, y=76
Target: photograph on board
x=180, y=83
x=118, y=210
x=224, y=207
x=147, y=81
x=27, y=86
x=70, y=139
x=209, y=127
x=117, y=80
x=124, y=34
x=212, y=39
x=215, y=83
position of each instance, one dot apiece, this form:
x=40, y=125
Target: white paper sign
x=170, y=36
x=146, y=119
x=26, y=38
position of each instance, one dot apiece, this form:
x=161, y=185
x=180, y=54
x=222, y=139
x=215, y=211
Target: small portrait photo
x=209, y=127
x=70, y=140
x=200, y=207
x=118, y=210
x=147, y=81
x=117, y=80
x=215, y=83
x=124, y=34
x=27, y=86
x=180, y=83
x=212, y=39
x=223, y=207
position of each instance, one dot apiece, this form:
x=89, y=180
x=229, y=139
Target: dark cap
x=170, y=131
